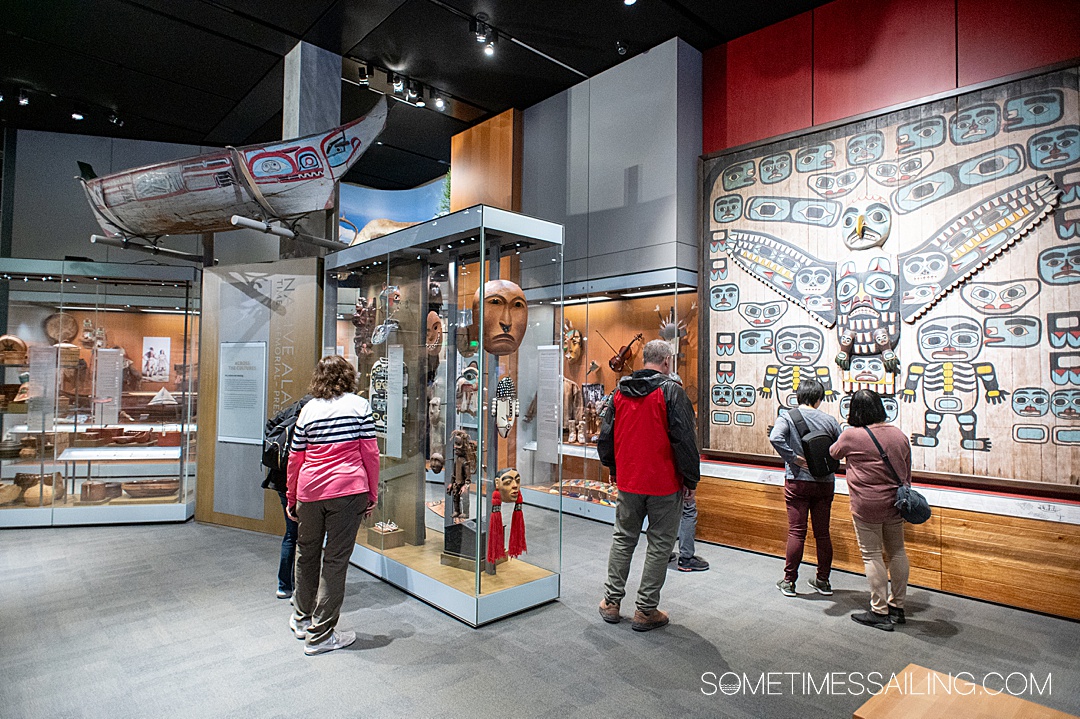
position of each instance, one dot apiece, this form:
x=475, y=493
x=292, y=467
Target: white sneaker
x=337, y=640
x=299, y=628
x=282, y=594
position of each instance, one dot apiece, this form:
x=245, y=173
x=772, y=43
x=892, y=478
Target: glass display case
x=451, y=355
x=605, y=324
x=98, y=399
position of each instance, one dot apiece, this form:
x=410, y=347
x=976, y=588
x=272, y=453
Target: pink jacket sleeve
x=369, y=453
x=296, y=460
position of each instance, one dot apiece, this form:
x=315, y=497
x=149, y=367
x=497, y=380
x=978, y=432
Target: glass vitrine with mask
x=461, y=371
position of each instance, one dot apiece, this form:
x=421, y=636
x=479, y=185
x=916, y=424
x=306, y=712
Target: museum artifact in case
x=99, y=389
x=449, y=350
x=606, y=322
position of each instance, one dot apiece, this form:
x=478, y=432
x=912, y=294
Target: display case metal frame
x=470, y=235
x=14, y=269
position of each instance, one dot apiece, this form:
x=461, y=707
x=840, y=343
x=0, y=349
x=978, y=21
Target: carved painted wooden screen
x=931, y=254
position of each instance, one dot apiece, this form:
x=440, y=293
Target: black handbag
x=912, y=505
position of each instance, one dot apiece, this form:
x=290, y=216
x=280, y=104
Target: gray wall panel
x=614, y=159
x=243, y=317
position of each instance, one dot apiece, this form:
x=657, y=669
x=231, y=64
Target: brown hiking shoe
x=609, y=612
x=644, y=621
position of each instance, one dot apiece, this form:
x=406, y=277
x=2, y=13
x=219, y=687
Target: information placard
x=108, y=385
x=548, y=403
x=241, y=412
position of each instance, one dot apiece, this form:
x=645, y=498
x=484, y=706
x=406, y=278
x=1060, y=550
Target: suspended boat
x=271, y=181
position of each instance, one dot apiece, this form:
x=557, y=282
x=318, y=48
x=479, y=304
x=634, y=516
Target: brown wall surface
x=485, y=164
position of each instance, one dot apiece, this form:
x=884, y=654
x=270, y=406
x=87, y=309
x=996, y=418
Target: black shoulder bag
x=913, y=506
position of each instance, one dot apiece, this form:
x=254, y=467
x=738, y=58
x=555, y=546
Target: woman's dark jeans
x=288, y=551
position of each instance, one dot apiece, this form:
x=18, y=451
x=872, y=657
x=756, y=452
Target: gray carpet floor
x=181, y=621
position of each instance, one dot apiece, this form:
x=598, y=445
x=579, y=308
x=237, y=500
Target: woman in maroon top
x=872, y=489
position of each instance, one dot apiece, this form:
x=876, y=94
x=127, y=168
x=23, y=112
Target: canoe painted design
x=275, y=180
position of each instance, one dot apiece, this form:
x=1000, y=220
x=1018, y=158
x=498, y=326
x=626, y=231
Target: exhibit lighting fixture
x=420, y=101
x=1, y=97
x=629, y=2
x=77, y=116
x=24, y=100
x=398, y=84
x=480, y=30
x=620, y=47
x=116, y=120
x=412, y=91
x=440, y=103
x=489, y=48
x=364, y=79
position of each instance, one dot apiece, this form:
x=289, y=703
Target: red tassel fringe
x=496, y=550
x=517, y=531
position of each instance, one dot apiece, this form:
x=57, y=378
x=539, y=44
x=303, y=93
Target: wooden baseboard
x=1026, y=563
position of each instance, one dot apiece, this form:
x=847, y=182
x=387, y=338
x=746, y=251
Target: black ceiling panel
x=211, y=71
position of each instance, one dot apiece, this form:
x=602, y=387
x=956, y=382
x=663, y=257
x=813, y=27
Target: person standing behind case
x=649, y=443
x=333, y=485
x=806, y=496
x=872, y=486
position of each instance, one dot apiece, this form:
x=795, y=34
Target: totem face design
x=799, y=346
x=745, y=395
x=1014, y=331
x=434, y=333
x=999, y=298
x=775, y=168
x=1034, y=110
x=722, y=394
x=867, y=295
x=866, y=223
x=1060, y=265
x=975, y=124
x=901, y=172
x=865, y=148
x=925, y=268
x=867, y=368
x=950, y=339
x=723, y=297
x=920, y=134
x=762, y=314
x=1065, y=404
x=1030, y=401
x=812, y=281
x=738, y=175
x=815, y=157
x=836, y=184
x=728, y=208
x=756, y=342
x=506, y=316
x=1055, y=148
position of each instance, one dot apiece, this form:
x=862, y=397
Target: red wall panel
x=1002, y=37
x=758, y=85
x=870, y=55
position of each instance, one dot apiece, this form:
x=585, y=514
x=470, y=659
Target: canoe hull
x=278, y=180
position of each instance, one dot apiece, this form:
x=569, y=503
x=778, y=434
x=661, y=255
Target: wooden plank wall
x=1026, y=563
x=486, y=164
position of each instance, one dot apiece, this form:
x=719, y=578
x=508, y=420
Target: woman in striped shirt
x=333, y=484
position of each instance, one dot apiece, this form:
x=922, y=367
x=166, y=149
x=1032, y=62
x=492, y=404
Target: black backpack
x=815, y=446
x=278, y=435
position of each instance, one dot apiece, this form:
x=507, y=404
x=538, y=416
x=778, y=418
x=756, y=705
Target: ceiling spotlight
x=440, y=103
x=489, y=49
x=364, y=80
x=24, y=100
x=115, y=120
x=629, y=2
x=413, y=91
x=398, y=84
x=620, y=47
x=480, y=29
x=420, y=101
x=77, y=116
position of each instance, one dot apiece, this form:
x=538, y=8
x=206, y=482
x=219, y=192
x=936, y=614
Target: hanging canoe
x=272, y=181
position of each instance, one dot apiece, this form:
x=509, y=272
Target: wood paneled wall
x=1026, y=563
x=485, y=164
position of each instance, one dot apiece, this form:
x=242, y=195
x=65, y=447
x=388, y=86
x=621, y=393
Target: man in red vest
x=649, y=442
